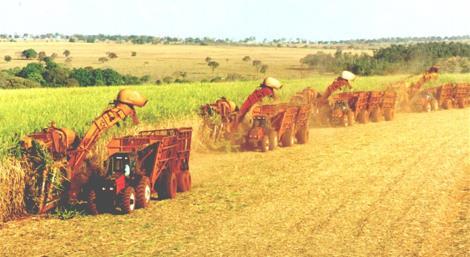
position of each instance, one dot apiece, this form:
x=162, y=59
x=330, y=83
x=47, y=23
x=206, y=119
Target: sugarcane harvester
x=65, y=147
x=423, y=100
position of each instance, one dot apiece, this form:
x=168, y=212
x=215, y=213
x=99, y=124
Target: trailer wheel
x=127, y=200
x=167, y=185
x=461, y=103
x=143, y=192
x=288, y=138
x=303, y=135
x=434, y=105
x=264, y=144
x=389, y=114
x=376, y=115
x=273, y=140
x=364, y=117
x=92, y=203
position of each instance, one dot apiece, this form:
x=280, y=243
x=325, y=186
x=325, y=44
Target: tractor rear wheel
x=273, y=140
x=303, y=135
x=364, y=117
x=351, y=118
x=143, y=192
x=127, y=200
x=434, y=105
x=264, y=144
x=167, y=185
x=389, y=114
x=288, y=138
x=92, y=203
x=447, y=104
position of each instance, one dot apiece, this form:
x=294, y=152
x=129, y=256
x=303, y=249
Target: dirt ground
x=399, y=188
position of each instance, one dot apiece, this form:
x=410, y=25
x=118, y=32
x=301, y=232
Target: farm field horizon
x=159, y=61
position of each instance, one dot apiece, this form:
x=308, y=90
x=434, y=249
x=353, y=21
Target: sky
x=238, y=19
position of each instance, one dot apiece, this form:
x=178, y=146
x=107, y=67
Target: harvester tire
x=264, y=144
x=273, y=140
x=143, y=192
x=127, y=200
x=389, y=114
x=447, y=104
x=187, y=179
x=364, y=117
x=92, y=203
x=288, y=138
x=167, y=185
x=434, y=105
x=184, y=181
x=303, y=135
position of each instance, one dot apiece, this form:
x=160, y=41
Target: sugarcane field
x=233, y=128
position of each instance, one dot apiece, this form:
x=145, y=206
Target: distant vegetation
x=396, y=58
x=281, y=42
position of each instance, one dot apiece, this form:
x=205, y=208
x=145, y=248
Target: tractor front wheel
x=127, y=200
x=143, y=192
x=264, y=144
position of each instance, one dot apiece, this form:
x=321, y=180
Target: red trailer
x=461, y=95
x=444, y=96
x=279, y=122
x=155, y=161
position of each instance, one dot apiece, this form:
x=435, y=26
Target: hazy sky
x=313, y=20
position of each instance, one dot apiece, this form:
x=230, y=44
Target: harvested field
x=399, y=188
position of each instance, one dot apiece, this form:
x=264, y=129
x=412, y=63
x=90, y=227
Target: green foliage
x=213, y=65
x=7, y=58
x=29, y=53
x=66, y=53
x=246, y=58
x=396, y=58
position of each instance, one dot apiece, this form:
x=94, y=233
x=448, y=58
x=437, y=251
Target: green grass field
x=26, y=110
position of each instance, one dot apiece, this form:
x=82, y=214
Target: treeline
x=146, y=39
x=50, y=74
x=396, y=58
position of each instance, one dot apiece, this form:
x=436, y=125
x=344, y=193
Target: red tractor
x=154, y=161
x=274, y=123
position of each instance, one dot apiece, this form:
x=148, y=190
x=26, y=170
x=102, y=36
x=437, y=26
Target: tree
x=246, y=58
x=54, y=56
x=66, y=53
x=133, y=54
x=208, y=59
x=41, y=55
x=213, y=65
x=263, y=68
x=29, y=54
x=256, y=63
x=112, y=55
x=7, y=58
x=102, y=59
